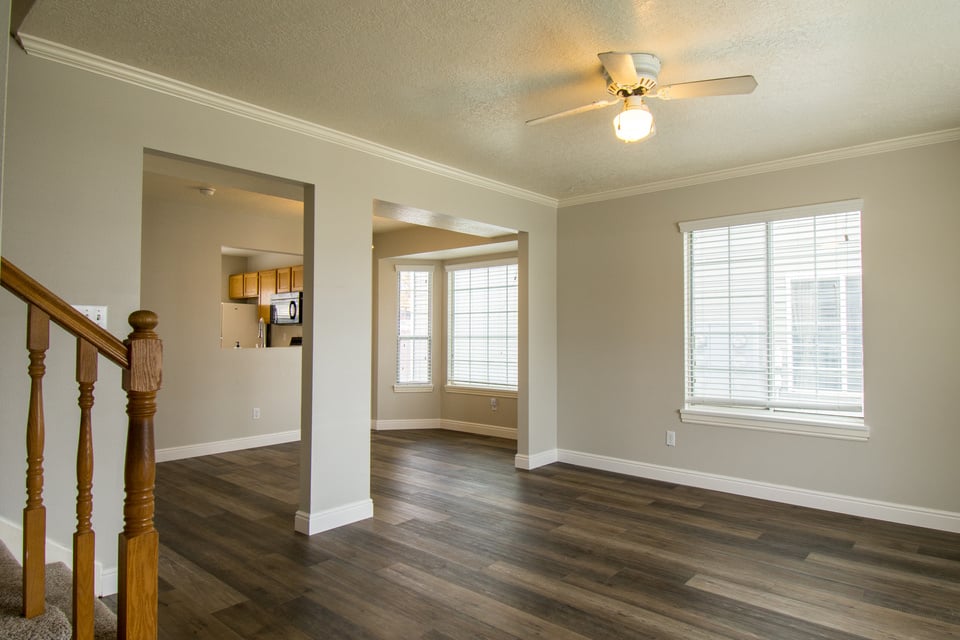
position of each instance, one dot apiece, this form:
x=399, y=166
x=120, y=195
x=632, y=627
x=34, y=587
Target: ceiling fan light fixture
x=635, y=122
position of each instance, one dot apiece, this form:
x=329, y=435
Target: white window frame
x=418, y=386
x=787, y=420
x=474, y=387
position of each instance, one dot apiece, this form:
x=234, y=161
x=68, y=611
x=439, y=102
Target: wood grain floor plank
x=401, y=612
x=411, y=535
x=463, y=545
x=909, y=561
x=897, y=577
x=205, y=592
x=648, y=587
x=407, y=510
x=249, y=620
x=863, y=619
x=637, y=619
x=188, y=622
x=478, y=606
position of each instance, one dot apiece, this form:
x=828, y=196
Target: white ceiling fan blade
x=705, y=88
x=599, y=104
x=620, y=67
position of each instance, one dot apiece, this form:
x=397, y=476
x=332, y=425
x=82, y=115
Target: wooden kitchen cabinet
x=251, y=285
x=296, y=278
x=283, y=280
x=243, y=285
x=268, y=287
x=236, y=286
x=261, y=285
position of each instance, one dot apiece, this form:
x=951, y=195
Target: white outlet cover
x=97, y=313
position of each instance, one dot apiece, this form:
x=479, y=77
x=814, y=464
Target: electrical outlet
x=97, y=313
x=256, y=413
x=671, y=438
x=493, y=404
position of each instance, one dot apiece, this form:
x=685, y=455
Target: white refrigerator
x=238, y=325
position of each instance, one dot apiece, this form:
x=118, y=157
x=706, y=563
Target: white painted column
x=335, y=406
x=537, y=402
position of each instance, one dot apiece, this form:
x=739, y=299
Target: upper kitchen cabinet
x=296, y=278
x=251, y=285
x=268, y=287
x=236, y=286
x=283, y=280
x=244, y=285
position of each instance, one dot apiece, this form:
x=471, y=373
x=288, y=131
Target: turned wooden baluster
x=83, y=539
x=35, y=514
x=139, y=542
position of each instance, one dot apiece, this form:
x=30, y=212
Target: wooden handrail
x=139, y=358
x=32, y=292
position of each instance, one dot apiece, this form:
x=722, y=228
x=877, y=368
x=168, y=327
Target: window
x=414, y=320
x=482, y=325
x=773, y=320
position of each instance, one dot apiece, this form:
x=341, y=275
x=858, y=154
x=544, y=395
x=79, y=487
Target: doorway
x=412, y=386
x=202, y=223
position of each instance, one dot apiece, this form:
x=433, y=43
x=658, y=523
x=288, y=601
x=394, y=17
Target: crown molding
x=63, y=54
x=871, y=148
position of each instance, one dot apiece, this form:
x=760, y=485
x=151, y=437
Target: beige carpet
x=54, y=624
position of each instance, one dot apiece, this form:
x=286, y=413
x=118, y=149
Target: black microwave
x=286, y=308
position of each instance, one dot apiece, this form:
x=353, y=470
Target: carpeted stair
x=54, y=624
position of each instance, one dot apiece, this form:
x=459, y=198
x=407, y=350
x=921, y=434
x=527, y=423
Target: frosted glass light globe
x=635, y=122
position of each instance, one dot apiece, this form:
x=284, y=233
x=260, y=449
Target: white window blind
x=414, y=331
x=482, y=325
x=773, y=312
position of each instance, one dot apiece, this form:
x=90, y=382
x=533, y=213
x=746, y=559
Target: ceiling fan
x=632, y=77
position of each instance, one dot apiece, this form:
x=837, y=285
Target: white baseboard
x=850, y=505
x=109, y=582
x=104, y=580
x=311, y=523
x=479, y=429
x=405, y=424
x=442, y=423
x=223, y=446
x=535, y=460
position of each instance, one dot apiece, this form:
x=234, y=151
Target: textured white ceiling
x=454, y=80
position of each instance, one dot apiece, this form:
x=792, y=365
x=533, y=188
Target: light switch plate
x=96, y=313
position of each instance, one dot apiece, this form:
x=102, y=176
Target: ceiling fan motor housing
x=648, y=69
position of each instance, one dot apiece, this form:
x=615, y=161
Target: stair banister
x=139, y=358
x=34, y=513
x=139, y=542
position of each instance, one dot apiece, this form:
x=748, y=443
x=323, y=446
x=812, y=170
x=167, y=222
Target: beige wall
x=620, y=276
x=4, y=53
x=209, y=392
x=72, y=212
x=476, y=409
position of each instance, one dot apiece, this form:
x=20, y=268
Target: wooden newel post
x=139, y=542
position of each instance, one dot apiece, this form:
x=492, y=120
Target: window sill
x=490, y=392
x=413, y=388
x=795, y=424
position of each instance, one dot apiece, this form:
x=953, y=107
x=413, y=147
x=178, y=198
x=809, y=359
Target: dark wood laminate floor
x=464, y=546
